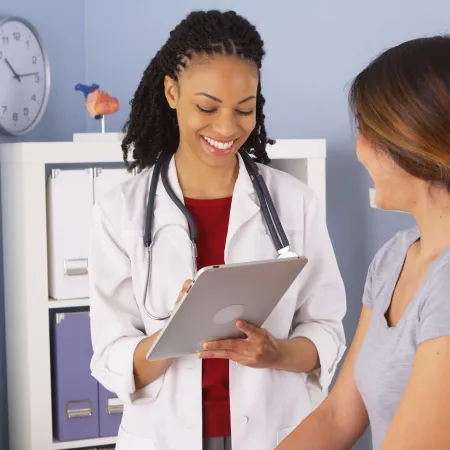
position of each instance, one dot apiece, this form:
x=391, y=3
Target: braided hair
x=152, y=126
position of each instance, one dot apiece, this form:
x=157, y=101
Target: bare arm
x=421, y=421
x=342, y=418
x=297, y=355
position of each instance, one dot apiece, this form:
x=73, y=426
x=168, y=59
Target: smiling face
x=215, y=102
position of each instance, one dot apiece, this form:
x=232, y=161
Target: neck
x=200, y=181
x=433, y=220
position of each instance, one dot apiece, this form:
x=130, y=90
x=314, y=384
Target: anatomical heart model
x=98, y=103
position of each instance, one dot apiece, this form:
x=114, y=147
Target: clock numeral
x=28, y=44
x=4, y=109
x=36, y=78
x=25, y=111
x=1, y=55
x=15, y=117
x=34, y=59
x=33, y=97
x=5, y=40
x=16, y=35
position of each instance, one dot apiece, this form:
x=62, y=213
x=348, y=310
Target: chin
x=382, y=202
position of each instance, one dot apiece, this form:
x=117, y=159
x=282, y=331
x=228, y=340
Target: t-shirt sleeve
x=434, y=316
x=367, y=294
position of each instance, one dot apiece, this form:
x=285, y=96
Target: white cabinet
x=31, y=253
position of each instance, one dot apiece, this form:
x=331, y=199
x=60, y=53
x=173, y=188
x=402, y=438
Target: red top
x=211, y=218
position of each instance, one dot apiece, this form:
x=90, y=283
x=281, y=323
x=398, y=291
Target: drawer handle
x=114, y=406
x=75, y=267
x=74, y=413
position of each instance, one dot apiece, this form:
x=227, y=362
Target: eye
x=245, y=113
x=205, y=110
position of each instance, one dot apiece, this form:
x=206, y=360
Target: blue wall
x=314, y=49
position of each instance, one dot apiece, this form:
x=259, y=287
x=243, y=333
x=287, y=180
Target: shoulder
x=392, y=251
x=125, y=203
x=434, y=309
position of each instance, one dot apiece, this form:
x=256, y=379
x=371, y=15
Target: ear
x=171, y=91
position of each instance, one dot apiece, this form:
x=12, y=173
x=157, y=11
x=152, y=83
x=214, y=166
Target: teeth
x=217, y=144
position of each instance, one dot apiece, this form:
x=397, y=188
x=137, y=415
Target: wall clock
x=24, y=76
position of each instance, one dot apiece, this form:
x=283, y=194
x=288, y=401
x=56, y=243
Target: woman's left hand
x=258, y=350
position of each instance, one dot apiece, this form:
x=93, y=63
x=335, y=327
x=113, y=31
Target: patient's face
x=395, y=188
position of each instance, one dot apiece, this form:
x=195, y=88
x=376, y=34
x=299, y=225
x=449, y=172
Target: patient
x=396, y=374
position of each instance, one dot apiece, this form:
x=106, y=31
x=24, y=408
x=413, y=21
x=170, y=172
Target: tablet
x=218, y=297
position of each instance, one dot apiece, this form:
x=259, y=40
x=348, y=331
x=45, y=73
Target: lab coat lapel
x=244, y=205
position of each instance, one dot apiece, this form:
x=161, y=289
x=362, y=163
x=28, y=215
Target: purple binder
x=75, y=391
x=110, y=410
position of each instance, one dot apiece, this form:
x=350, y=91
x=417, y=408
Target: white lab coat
x=265, y=404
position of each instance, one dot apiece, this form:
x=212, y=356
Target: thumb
x=184, y=288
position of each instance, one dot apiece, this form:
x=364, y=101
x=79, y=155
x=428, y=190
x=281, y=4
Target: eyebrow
x=220, y=101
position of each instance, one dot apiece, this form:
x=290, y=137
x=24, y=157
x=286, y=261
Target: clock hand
x=16, y=76
x=28, y=74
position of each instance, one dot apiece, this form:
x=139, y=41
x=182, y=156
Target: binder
x=70, y=197
x=75, y=391
x=110, y=411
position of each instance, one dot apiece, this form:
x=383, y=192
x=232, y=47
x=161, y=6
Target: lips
x=218, y=147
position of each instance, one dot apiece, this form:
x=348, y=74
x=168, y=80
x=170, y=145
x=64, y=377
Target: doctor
x=199, y=102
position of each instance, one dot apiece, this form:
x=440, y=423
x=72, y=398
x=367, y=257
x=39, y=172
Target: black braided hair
x=152, y=126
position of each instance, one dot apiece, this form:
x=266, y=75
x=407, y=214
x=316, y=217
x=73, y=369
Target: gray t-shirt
x=385, y=361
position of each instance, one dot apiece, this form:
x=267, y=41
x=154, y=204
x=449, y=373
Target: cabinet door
x=70, y=196
x=107, y=179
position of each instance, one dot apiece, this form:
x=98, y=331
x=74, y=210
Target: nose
x=225, y=125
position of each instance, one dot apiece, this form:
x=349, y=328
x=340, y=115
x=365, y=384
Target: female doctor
x=199, y=103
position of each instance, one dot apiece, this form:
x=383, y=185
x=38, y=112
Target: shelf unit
x=24, y=169
x=98, y=442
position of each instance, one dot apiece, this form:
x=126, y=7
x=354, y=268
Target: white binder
x=70, y=197
x=107, y=179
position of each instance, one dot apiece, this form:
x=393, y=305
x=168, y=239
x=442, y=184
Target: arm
x=421, y=421
x=146, y=372
x=117, y=328
x=342, y=418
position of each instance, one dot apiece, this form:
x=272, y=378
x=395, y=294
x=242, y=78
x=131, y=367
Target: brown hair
x=401, y=102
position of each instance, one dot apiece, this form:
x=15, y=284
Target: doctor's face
x=395, y=188
x=215, y=101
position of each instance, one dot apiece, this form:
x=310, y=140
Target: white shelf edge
x=72, y=303
x=58, y=445
x=72, y=152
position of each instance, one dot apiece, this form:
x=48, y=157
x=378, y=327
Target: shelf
x=111, y=152
x=95, y=442
x=72, y=303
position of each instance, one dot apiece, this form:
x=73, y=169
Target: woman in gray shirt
x=396, y=375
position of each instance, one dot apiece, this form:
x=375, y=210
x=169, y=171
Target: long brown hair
x=401, y=102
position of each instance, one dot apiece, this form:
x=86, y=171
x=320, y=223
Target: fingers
x=234, y=345
x=250, y=330
x=184, y=288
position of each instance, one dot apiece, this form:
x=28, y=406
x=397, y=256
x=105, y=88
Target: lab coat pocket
x=150, y=392
x=282, y=434
x=127, y=441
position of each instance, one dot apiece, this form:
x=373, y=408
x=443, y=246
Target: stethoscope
x=271, y=218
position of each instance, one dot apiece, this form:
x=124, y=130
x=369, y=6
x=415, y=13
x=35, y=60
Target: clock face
x=24, y=77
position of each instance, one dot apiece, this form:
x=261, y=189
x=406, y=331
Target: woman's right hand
x=184, y=288
x=145, y=371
